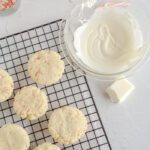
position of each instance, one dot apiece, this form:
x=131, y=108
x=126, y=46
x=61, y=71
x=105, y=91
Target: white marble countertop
x=127, y=124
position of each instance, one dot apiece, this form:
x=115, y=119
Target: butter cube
x=119, y=90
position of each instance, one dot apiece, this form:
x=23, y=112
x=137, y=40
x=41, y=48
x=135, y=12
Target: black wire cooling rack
x=73, y=88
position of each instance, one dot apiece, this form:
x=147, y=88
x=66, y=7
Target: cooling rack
x=73, y=89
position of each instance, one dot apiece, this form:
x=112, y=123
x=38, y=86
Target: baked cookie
x=47, y=146
x=67, y=125
x=46, y=67
x=30, y=103
x=6, y=85
x=13, y=137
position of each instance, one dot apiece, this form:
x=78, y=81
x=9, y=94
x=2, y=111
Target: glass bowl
x=11, y=10
x=79, y=16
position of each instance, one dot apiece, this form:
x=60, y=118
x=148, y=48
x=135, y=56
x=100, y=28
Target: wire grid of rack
x=73, y=89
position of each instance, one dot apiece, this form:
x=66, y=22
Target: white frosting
x=110, y=42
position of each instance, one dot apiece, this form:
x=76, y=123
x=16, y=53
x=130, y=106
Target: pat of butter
x=119, y=90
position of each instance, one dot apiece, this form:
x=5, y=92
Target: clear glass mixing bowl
x=79, y=16
x=10, y=10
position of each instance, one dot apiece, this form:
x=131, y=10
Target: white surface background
x=127, y=124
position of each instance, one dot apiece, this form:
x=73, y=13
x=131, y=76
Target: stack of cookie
x=66, y=125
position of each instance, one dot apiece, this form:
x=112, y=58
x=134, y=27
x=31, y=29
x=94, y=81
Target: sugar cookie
x=67, y=125
x=6, y=85
x=30, y=103
x=46, y=67
x=13, y=137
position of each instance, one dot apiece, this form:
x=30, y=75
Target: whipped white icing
x=110, y=42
